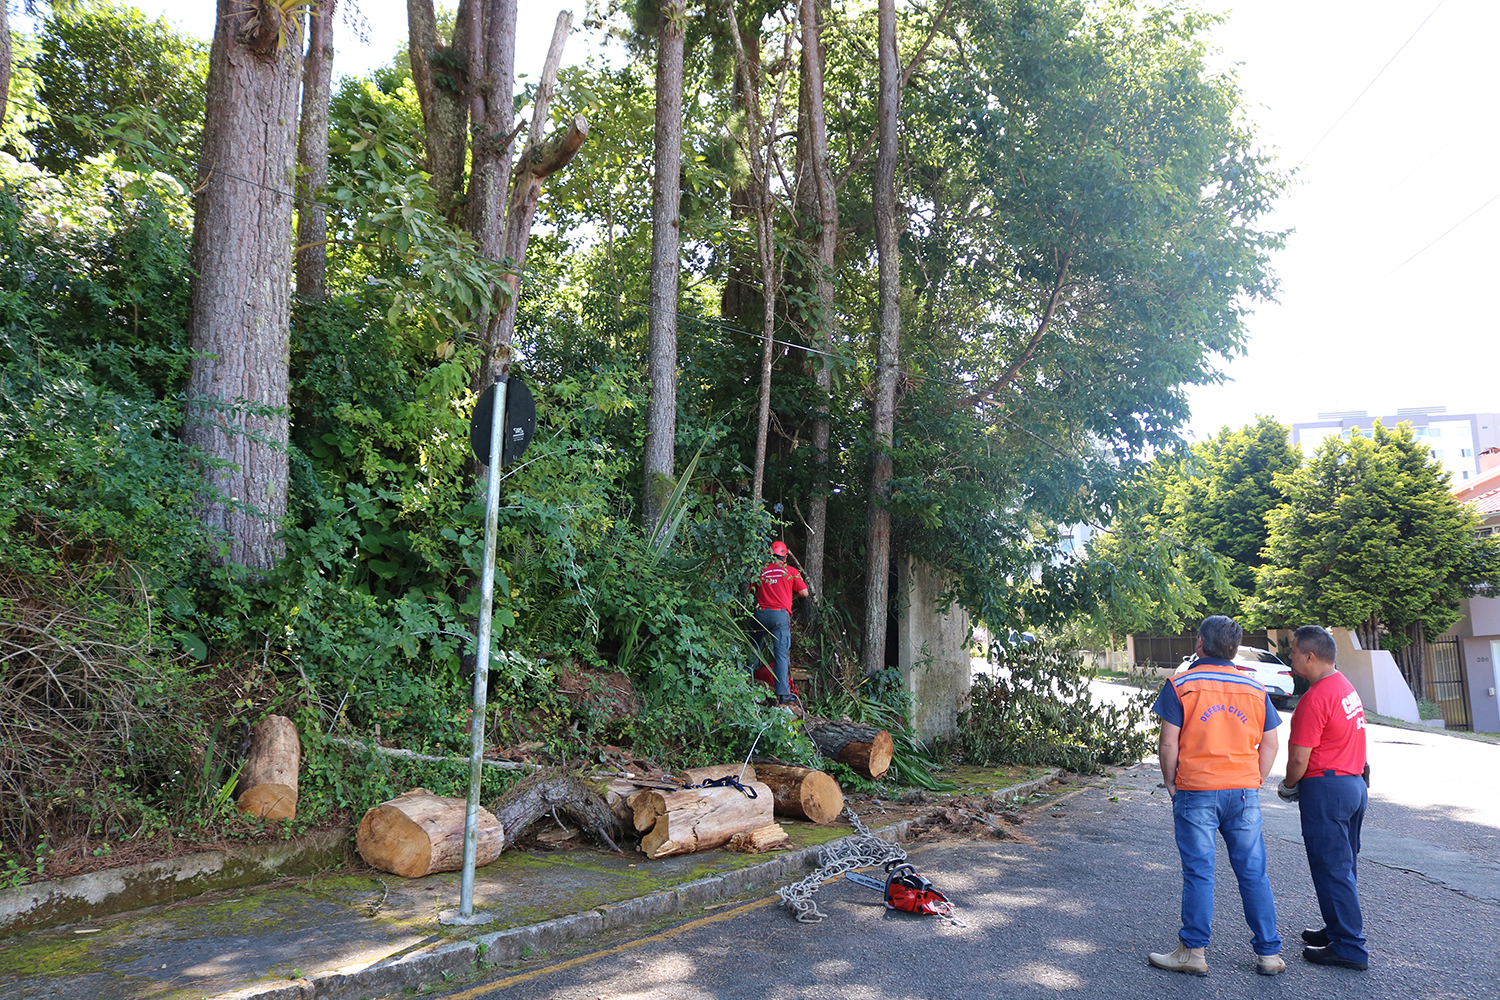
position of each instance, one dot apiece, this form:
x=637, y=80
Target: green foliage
x=1035, y=708
x=101, y=64
x=1370, y=538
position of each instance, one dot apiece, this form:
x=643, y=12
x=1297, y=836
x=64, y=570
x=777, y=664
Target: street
x=1092, y=884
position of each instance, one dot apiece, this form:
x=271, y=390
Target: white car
x=1274, y=675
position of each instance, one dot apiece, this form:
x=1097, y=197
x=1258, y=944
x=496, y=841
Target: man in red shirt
x=1324, y=773
x=773, y=602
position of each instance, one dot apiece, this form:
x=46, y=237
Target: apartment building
x=1465, y=443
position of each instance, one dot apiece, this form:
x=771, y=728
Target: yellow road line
x=500, y=984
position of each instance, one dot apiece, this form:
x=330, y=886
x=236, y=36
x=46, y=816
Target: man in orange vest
x=773, y=603
x=1218, y=742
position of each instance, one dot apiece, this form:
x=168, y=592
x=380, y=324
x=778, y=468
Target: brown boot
x=1184, y=959
x=1269, y=965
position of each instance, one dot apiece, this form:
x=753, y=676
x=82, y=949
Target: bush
x=1037, y=709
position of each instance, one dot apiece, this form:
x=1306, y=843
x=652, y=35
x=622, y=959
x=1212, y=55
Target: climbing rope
x=863, y=850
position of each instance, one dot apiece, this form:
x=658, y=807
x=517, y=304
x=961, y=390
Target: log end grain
x=418, y=833
x=270, y=801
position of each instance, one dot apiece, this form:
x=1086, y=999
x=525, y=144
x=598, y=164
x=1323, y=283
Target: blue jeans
x=1233, y=813
x=778, y=628
x=1333, y=811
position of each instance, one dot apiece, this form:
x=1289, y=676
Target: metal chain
x=863, y=850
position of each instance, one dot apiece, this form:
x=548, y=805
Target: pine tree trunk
x=440, y=92
x=887, y=351
x=492, y=33
x=312, y=155
x=242, y=262
x=5, y=61
x=666, y=200
x=1416, y=660
x=815, y=177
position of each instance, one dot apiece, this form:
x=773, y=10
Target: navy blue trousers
x=1333, y=810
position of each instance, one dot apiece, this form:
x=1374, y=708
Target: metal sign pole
x=466, y=914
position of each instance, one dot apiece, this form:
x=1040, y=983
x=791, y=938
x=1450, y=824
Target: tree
x=1200, y=515
x=242, y=261
x=887, y=349
x=102, y=64
x=4, y=60
x=666, y=203
x=1371, y=539
x=312, y=154
x=441, y=75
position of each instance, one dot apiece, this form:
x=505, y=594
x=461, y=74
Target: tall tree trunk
x=887, y=350
x=242, y=266
x=815, y=186
x=312, y=154
x=666, y=203
x=440, y=73
x=1416, y=660
x=5, y=59
x=537, y=161
x=492, y=33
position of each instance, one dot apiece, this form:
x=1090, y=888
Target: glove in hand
x=1288, y=794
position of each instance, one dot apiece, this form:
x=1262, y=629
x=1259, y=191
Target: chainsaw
x=906, y=890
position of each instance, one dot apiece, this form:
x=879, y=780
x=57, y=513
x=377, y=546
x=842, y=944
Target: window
x=1466, y=452
x=1466, y=475
x=1437, y=453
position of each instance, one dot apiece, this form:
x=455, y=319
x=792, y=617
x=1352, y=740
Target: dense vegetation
x=1079, y=243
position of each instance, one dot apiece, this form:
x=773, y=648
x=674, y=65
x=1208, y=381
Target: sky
x=1387, y=110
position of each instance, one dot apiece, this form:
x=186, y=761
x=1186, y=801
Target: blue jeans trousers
x=1234, y=814
x=1333, y=811
x=778, y=628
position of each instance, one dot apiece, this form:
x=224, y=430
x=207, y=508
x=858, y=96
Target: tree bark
x=864, y=748
x=492, y=34
x=268, y=778
x=666, y=238
x=5, y=61
x=700, y=819
x=543, y=794
x=440, y=75
x=312, y=154
x=242, y=263
x=803, y=792
x=887, y=351
x=538, y=160
x=816, y=189
x=418, y=833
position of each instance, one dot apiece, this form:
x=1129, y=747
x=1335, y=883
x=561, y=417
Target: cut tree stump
x=418, y=833
x=268, y=778
x=700, y=819
x=803, y=792
x=864, y=748
x=767, y=838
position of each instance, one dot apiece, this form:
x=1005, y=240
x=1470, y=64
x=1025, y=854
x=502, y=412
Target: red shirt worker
x=774, y=590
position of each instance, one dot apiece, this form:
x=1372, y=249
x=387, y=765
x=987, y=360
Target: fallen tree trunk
x=803, y=792
x=268, y=779
x=549, y=792
x=699, y=819
x=375, y=748
x=418, y=833
x=864, y=748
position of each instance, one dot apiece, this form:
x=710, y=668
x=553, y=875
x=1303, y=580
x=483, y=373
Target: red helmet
x=778, y=548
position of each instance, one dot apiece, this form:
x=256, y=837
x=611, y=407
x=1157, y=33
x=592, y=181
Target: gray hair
x=1315, y=642
x=1221, y=636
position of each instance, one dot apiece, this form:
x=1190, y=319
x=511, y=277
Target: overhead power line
x=1368, y=86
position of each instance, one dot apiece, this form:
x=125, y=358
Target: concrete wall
x=933, y=650
x=1374, y=674
x=1481, y=617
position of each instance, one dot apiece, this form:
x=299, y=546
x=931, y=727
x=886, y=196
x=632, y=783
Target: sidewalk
x=347, y=936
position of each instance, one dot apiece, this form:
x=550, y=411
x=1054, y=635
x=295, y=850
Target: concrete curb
x=451, y=960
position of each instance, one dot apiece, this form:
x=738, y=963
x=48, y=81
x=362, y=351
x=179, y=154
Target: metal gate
x=1448, y=682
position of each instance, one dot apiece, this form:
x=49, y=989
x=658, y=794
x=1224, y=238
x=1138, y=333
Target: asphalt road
x=1073, y=907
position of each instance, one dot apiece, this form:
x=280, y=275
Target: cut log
x=803, y=793
x=616, y=794
x=864, y=748
x=418, y=833
x=700, y=819
x=767, y=838
x=644, y=809
x=268, y=778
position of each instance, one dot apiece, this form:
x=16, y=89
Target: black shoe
x=1326, y=956
x=1317, y=938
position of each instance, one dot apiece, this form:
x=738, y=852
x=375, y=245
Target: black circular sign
x=520, y=422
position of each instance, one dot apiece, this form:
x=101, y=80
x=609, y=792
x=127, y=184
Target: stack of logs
x=683, y=820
